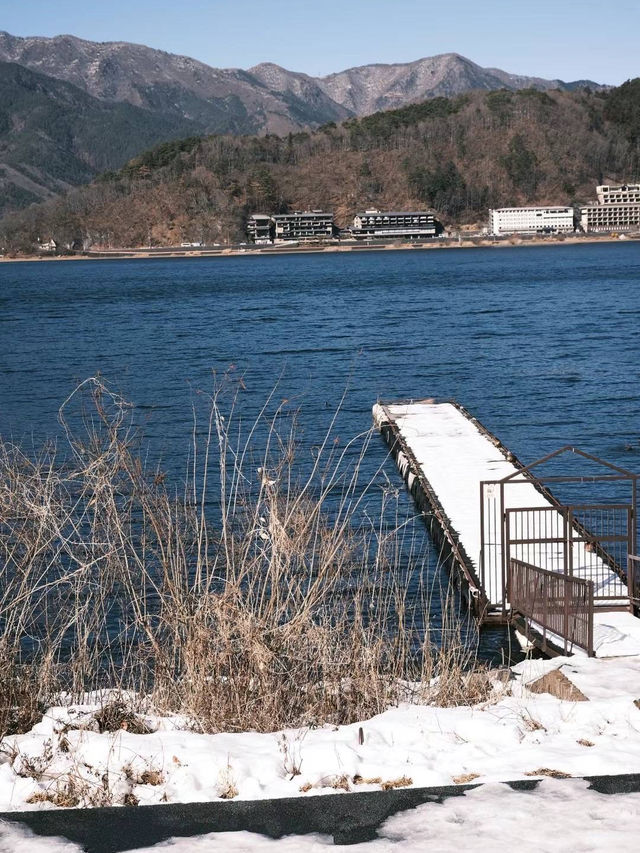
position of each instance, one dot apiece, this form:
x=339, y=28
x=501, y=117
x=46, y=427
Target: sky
x=566, y=39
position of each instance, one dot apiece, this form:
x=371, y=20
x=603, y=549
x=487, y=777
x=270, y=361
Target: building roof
x=563, y=207
x=302, y=213
x=396, y=213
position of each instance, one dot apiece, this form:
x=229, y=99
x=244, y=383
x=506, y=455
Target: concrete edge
x=348, y=818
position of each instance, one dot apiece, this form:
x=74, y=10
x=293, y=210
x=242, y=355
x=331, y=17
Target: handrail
x=553, y=603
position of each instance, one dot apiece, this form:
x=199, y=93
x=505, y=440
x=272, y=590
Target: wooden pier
x=563, y=574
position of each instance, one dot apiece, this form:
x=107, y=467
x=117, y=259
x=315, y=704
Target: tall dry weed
x=251, y=599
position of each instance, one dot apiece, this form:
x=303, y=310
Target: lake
x=540, y=343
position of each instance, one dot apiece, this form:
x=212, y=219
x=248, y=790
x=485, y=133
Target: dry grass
x=465, y=778
x=281, y=610
x=366, y=780
x=400, y=782
x=547, y=771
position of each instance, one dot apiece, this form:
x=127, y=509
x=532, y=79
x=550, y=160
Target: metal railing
x=588, y=541
x=633, y=578
x=557, y=606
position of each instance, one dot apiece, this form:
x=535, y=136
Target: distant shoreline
x=263, y=251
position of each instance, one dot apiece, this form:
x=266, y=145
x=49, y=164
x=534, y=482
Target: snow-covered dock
x=487, y=510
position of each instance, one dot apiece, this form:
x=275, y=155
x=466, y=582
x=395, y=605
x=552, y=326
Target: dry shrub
x=151, y=777
x=278, y=608
x=62, y=796
x=117, y=715
x=21, y=707
x=456, y=683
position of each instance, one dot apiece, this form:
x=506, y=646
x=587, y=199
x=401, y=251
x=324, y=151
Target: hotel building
x=303, y=226
x=414, y=225
x=260, y=228
x=531, y=220
x=618, y=209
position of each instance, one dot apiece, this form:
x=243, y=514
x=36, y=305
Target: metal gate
x=590, y=542
x=593, y=542
x=564, y=561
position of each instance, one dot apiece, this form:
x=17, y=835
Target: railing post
x=565, y=584
x=507, y=546
x=545, y=606
x=505, y=556
x=481, y=575
x=590, y=650
x=632, y=564
x=568, y=541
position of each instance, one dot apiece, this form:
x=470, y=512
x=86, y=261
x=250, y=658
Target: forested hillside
x=54, y=135
x=458, y=156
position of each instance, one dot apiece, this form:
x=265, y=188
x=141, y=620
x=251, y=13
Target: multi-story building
x=610, y=217
x=260, y=228
x=531, y=220
x=408, y=225
x=618, y=209
x=303, y=226
x=625, y=194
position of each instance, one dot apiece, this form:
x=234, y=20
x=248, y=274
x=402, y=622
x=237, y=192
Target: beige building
x=625, y=194
x=618, y=209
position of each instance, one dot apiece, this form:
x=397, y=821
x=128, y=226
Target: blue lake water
x=542, y=344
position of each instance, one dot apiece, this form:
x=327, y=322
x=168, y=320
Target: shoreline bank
x=177, y=253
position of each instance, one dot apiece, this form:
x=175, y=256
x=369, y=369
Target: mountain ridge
x=176, y=95
x=160, y=80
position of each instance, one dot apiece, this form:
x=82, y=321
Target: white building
x=531, y=220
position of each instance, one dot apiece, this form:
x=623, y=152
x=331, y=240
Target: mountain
x=54, y=135
x=458, y=156
x=306, y=96
x=264, y=99
x=90, y=106
x=219, y=100
x=369, y=88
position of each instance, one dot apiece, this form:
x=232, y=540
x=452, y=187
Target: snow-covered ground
x=515, y=734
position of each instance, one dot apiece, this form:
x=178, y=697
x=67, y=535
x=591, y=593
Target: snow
x=511, y=736
x=456, y=457
x=575, y=818
x=616, y=634
x=506, y=738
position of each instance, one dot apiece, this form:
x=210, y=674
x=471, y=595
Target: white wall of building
x=530, y=220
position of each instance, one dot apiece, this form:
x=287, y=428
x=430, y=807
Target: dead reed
x=250, y=600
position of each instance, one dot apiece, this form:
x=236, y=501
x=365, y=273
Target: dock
x=564, y=574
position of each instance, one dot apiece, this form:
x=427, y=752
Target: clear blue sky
x=569, y=39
